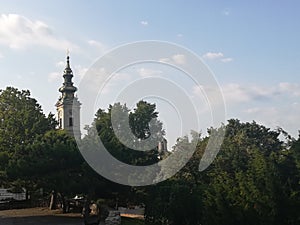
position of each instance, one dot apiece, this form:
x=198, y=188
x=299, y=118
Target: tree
x=178, y=200
x=288, y=163
x=21, y=121
x=143, y=124
x=55, y=164
x=243, y=180
x=122, y=131
x=253, y=180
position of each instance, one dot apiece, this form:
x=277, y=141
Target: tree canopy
x=142, y=122
x=255, y=178
x=21, y=119
x=33, y=154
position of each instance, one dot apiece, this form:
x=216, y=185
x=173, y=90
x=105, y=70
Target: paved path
x=41, y=220
x=38, y=216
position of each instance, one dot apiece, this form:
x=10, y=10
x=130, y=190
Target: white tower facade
x=68, y=105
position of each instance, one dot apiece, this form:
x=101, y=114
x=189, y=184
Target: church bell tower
x=68, y=105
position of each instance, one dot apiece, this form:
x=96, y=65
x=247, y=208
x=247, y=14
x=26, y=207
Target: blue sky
x=251, y=47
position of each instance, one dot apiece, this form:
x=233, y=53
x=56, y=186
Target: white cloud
x=213, y=55
x=291, y=88
x=146, y=72
x=179, y=35
x=115, y=82
x=165, y=60
x=217, y=56
x=197, y=90
x=54, y=76
x=97, y=80
x=232, y=93
x=60, y=64
x=93, y=80
x=237, y=93
x=225, y=60
x=120, y=77
x=19, y=32
x=95, y=43
x=265, y=111
x=1, y=56
x=252, y=110
x=100, y=46
x=79, y=71
x=272, y=105
x=144, y=23
x=270, y=116
x=179, y=59
x=283, y=115
x=242, y=93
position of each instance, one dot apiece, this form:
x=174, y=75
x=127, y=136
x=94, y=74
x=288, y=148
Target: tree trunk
x=63, y=201
x=53, y=200
x=27, y=194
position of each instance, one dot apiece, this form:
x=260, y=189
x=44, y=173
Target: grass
x=130, y=221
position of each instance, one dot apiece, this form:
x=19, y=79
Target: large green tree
x=253, y=180
x=243, y=180
x=289, y=168
x=33, y=154
x=122, y=131
x=142, y=123
x=21, y=121
x=53, y=163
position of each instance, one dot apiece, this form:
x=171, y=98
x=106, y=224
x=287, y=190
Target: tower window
x=70, y=121
x=60, y=123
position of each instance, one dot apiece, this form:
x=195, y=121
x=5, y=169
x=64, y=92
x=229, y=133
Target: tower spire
x=68, y=105
x=68, y=60
x=68, y=89
x=68, y=69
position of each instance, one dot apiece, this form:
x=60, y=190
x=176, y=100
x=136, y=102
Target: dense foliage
x=255, y=178
x=140, y=121
x=33, y=155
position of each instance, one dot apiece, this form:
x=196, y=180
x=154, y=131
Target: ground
x=44, y=216
x=38, y=216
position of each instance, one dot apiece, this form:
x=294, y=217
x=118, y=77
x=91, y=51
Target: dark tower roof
x=68, y=87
